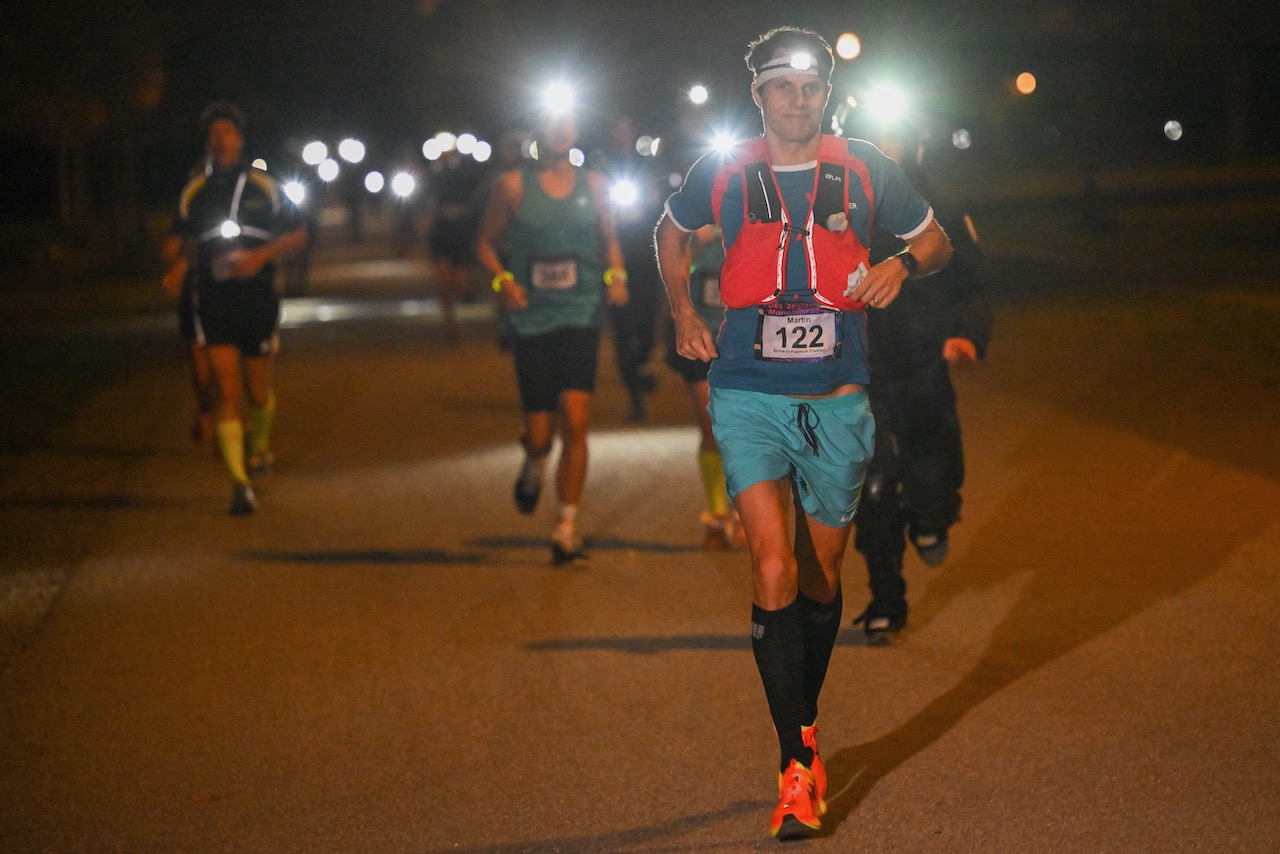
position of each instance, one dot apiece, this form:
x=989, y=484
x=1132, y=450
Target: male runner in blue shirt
x=788, y=402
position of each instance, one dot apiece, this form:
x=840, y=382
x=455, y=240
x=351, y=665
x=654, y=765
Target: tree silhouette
x=82, y=77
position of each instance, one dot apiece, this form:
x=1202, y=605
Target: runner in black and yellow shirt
x=233, y=223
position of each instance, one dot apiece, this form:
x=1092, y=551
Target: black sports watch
x=909, y=261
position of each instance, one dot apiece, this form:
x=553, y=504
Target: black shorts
x=691, y=370
x=557, y=361
x=241, y=314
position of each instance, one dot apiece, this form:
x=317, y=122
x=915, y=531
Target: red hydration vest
x=754, y=271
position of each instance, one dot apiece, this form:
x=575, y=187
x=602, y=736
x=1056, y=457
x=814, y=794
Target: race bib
x=554, y=274
x=797, y=332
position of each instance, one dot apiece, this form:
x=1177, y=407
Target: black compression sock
x=777, y=639
x=820, y=623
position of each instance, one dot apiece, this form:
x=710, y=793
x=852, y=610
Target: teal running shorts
x=824, y=443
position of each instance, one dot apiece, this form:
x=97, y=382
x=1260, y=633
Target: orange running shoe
x=795, y=817
x=810, y=736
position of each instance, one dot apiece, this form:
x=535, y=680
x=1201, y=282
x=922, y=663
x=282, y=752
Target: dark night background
x=98, y=125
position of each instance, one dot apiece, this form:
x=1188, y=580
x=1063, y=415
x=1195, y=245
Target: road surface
x=384, y=660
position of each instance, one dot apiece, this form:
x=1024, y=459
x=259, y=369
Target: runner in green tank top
x=561, y=260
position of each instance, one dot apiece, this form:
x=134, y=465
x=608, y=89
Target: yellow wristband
x=500, y=278
x=614, y=274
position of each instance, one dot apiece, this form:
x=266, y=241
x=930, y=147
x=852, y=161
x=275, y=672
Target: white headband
x=795, y=63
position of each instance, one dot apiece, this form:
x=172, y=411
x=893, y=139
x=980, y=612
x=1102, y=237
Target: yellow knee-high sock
x=231, y=443
x=260, y=419
x=713, y=482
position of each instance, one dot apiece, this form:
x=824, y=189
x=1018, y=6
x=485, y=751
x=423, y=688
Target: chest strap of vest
x=764, y=205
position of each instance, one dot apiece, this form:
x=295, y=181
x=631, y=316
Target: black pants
x=913, y=482
x=634, y=331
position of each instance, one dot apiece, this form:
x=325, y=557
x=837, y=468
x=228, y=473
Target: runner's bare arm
x=247, y=262
x=174, y=257
x=693, y=339
x=504, y=202
x=617, y=285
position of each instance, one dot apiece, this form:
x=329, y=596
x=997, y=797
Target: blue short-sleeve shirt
x=895, y=205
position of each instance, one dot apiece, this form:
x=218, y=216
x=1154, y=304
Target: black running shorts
x=241, y=314
x=556, y=361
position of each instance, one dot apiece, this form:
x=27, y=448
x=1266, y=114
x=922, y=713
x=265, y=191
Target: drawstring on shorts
x=806, y=421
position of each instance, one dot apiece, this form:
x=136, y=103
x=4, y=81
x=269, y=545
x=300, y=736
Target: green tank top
x=555, y=252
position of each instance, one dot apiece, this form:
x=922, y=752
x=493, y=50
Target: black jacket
x=907, y=337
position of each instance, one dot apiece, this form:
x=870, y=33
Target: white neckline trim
x=799, y=167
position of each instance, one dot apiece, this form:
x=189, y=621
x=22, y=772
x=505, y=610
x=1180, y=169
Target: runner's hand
x=959, y=351
x=246, y=263
x=882, y=284
x=693, y=339
x=617, y=293
x=513, y=296
x=172, y=280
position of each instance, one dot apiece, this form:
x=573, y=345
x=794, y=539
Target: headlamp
x=791, y=63
x=558, y=99
x=624, y=193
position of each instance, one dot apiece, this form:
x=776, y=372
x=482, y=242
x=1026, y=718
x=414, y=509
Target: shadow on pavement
x=649, y=645
x=598, y=544
x=647, y=839
x=338, y=557
x=1099, y=530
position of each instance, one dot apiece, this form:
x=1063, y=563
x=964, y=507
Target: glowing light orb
x=558, y=99
x=313, y=153
x=403, y=184
x=653, y=144
x=887, y=103
x=351, y=150
x=624, y=193
x=328, y=169
x=848, y=46
x=296, y=191
x=723, y=142
x=448, y=141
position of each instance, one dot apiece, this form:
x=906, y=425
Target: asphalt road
x=383, y=660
